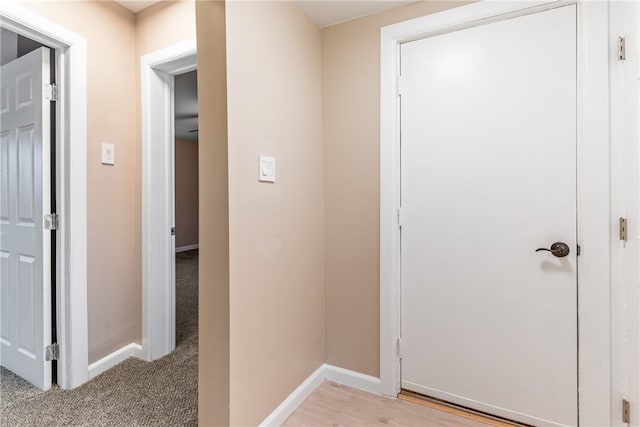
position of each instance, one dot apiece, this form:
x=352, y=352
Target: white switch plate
x=108, y=154
x=267, y=169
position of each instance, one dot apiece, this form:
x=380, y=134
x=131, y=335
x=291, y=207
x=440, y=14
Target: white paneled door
x=25, y=245
x=488, y=176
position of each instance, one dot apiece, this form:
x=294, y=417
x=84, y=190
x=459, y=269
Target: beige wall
x=164, y=24
x=280, y=67
x=276, y=231
x=186, y=191
x=351, y=107
x=213, y=320
x=115, y=40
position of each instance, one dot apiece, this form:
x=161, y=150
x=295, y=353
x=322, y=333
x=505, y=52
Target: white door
x=488, y=151
x=25, y=246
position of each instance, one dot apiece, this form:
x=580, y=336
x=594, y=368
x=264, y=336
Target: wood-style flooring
x=336, y=405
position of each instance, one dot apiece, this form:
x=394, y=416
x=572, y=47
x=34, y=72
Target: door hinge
x=399, y=347
x=626, y=412
x=622, y=49
x=173, y=231
x=52, y=352
x=578, y=250
x=51, y=92
x=400, y=217
x=623, y=229
x=51, y=221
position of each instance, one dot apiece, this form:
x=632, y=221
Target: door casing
x=596, y=231
x=71, y=185
x=158, y=245
x=624, y=19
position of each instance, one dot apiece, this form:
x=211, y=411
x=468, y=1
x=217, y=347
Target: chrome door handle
x=558, y=249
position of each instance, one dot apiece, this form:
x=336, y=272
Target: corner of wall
x=214, y=338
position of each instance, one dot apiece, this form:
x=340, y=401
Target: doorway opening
x=159, y=130
x=168, y=115
x=186, y=208
x=71, y=188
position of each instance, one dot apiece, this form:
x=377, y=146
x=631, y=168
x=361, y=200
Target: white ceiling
x=323, y=12
x=136, y=6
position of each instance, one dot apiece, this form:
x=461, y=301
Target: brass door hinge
x=623, y=229
x=626, y=416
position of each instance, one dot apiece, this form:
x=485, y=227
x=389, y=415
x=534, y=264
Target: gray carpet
x=134, y=393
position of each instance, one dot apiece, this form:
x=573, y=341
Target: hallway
x=135, y=392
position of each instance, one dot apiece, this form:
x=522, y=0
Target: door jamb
x=594, y=218
x=158, y=245
x=625, y=201
x=71, y=182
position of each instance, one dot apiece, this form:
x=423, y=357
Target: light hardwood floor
x=337, y=405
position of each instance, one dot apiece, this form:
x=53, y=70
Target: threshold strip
x=460, y=411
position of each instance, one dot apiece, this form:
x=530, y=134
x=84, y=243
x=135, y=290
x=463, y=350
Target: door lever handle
x=558, y=249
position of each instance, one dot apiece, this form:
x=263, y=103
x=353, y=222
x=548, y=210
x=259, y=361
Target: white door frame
x=71, y=185
x=597, y=229
x=158, y=245
x=625, y=202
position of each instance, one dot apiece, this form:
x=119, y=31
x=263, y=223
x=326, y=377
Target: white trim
x=186, y=248
x=295, y=399
x=594, y=215
x=595, y=224
x=111, y=360
x=158, y=245
x=624, y=21
x=71, y=166
x=352, y=379
x=325, y=372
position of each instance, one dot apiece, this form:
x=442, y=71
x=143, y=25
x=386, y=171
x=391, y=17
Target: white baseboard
x=186, y=248
x=324, y=372
x=352, y=379
x=295, y=399
x=114, y=358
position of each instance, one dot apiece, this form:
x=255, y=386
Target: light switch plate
x=108, y=154
x=267, y=169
